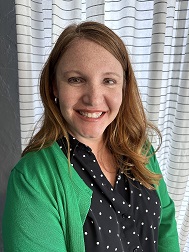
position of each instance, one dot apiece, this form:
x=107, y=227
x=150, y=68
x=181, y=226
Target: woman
x=89, y=179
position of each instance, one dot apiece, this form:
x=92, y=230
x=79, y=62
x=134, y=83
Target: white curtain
x=156, y=33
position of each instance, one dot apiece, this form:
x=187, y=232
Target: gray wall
x=10, y=149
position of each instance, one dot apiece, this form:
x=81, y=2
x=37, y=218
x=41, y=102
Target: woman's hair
x=127, y=135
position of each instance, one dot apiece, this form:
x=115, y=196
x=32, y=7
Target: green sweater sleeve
x=168, y=236
x=29, y=223
x=46, y=205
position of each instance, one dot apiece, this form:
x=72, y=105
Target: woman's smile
x=94, y=115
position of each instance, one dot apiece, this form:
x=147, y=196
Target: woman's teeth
x=91, y=115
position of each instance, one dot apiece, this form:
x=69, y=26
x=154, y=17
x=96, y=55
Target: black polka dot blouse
x=123, y=218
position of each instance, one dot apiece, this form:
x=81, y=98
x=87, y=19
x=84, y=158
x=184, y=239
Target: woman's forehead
x=88, y=54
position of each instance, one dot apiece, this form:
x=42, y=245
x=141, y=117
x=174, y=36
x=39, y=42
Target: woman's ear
x=55, y=88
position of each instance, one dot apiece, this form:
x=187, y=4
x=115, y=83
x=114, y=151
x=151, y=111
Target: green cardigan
x=47, y=204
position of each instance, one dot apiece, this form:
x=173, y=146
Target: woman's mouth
x=91, y=115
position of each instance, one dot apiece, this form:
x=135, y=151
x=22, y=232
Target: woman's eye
x=75, y=80
x=109, y=81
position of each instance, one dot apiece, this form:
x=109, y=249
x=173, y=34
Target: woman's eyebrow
x=113, y=73
x=70, y=72
x=65, y=73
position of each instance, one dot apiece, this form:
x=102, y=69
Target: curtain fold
x=156, y=33
x=33, y=23
x=64, y=13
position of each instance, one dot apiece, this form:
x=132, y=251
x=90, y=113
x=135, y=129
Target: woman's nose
x=93, y=95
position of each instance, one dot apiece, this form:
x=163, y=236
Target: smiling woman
x=89, y=179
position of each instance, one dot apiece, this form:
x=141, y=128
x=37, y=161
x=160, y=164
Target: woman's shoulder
x=39, y=162
x=153, y=164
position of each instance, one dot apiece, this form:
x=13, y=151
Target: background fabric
x=156, y=33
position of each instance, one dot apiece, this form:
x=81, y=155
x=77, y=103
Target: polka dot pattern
x=123, y=218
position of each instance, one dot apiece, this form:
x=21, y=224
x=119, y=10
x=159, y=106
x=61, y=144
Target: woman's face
x=89, y=83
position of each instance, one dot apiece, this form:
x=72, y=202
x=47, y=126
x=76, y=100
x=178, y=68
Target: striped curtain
x=156, y=33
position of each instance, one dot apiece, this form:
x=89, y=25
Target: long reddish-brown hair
x=127, y=135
